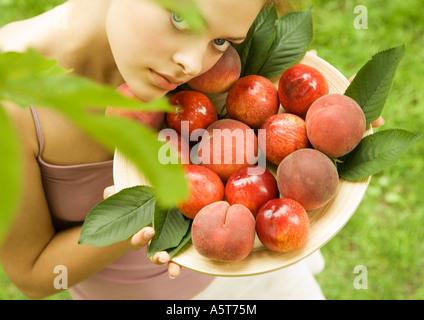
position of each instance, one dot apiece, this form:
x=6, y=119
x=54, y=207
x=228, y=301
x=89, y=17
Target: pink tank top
x=71, y=191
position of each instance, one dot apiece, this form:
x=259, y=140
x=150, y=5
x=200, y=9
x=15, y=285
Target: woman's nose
x=190, y=60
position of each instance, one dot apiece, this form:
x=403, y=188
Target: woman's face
x=155, y=52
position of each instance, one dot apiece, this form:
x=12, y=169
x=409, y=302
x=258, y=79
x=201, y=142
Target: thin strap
x=40, y=136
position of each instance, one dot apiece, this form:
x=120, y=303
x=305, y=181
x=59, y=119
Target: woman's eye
x=221, y=44
x=179, y=22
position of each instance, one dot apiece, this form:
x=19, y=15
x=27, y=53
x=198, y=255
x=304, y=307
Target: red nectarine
x=282, y=225
x=252, y=100
x=299, y=86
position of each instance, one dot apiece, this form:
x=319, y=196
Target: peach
x=228, y=146
x=221, y=76
x=152, y=119
x=335, y=125
x=223, y=232
x=309, y=177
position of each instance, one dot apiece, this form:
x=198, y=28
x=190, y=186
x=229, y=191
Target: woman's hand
x=142, y=238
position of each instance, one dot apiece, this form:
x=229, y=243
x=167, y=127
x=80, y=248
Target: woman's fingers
x=379, y=122
x=163, y=257
x=174, y=270
x=141, y=238
x=107, y=192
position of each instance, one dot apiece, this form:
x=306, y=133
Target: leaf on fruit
x=125, y=213
x=274, y=44
x=372, y=83
x=187, y=237
x=171, y=230
x=294, y=35
x=375, y=153
x=119, y=217
x=259, y=40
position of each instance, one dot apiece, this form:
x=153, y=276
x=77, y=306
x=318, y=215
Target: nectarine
x=282, y=225
x=299, y=86
x=205, y=187
x=252, y=100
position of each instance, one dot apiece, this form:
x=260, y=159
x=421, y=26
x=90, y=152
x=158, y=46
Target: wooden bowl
x=325, y=222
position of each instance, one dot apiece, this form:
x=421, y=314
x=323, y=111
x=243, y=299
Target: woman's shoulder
x=13, y=37
x=65, y=142
x=22, y=34
x=23, y=123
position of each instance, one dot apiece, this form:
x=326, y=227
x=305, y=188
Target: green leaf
x=10, y=171
x=188, y=10
x=173, y=251
x=170, y=229
x=260, y=37
x=17, y=65
x=375, y=153
x=119, y=217
x=293, y=37
x=372, y=83
x=31, y=79
x=139, y=144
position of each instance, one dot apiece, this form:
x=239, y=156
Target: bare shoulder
x=13, y=37
x=21, y=35
x=24, y=124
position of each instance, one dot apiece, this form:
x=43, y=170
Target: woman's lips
x=163, y=82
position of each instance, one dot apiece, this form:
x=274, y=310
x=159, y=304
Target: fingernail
x=162, y=260
x=171, y=277
x=147, y=235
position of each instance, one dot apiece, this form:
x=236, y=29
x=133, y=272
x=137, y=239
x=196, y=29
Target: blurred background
x=386, y=233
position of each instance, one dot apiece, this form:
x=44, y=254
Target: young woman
x=66, y=172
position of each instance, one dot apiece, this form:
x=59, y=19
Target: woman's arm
x=33, y=248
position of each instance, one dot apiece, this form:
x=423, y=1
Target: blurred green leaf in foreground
x=30, y=79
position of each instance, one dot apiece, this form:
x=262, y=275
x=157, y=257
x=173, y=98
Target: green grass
x=385, y=234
